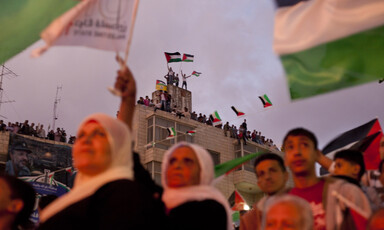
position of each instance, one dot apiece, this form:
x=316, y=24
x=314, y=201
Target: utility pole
x=57, y=100
x=4, y=72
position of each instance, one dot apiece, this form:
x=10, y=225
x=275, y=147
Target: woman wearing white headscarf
x=191, y=200
x=105, y=195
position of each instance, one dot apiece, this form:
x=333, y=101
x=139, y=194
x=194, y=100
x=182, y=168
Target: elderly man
x=17, y=165
x=287, y=212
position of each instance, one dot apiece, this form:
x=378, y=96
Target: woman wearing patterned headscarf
x=191, y=200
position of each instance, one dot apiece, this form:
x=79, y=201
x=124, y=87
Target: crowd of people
x=38, y=130
x=112, y=190
x=172, y=78
x=241, y=133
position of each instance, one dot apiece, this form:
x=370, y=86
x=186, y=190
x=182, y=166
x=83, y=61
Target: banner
x=101, y=24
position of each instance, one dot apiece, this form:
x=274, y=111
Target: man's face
x=283, y=216
x=346, y=168
x=270, y=176
x=300, y=154
x=19, y=158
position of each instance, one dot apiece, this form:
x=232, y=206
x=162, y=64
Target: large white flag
x=100, y=24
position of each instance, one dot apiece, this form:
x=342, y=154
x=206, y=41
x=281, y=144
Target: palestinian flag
x=171, y=133
x=216, y=120
x=160, y=85
x=265, y=100
x=50, y=178
x=21, y=24
x=191, y=132
x=239, y=203
x=326, y=45
x=173, y=57
x=69, y=170
x=365, y=138
x=187, y=58
x=238, y=113
x=197, y=74
x=159, y=82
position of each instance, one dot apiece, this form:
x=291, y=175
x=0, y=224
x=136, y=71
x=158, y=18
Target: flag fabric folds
x=197, y=74
x=364, y=138
x=173, y=57
x=22, y=21
x=265, y=100
x=188, y=58
x=238, y=112
x=216, y=120
x=191, y=132
x=239, y=202
x=69, y=170
x=160, y=85
x=50, y=177
x=229, y=166
x=171, y=133
x=92, y=23
x=326, y=45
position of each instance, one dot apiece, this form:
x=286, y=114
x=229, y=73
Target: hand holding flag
x=126, y=86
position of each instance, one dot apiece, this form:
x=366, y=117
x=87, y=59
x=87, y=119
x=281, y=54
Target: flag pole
x=135, y=6
x=113, y=90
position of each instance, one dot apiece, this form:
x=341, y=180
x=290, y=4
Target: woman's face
x=183, y=168
x=91, y=151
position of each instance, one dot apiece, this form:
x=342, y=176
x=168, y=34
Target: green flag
x=326, y=46
x=225, y=167
x=343, y=63
x=21, y=22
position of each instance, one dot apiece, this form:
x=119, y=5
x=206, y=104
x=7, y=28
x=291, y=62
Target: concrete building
x=151, y=127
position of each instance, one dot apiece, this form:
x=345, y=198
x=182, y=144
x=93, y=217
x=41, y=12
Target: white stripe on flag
x=311, y=23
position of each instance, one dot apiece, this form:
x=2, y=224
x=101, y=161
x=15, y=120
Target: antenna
x=5, y=72
x=57, y=100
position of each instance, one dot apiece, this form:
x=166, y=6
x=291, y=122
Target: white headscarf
x=174, y=197
x=121, y=167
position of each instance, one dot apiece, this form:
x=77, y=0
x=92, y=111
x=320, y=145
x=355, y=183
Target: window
x=157, y=131
x=182, y=133
x=150, y=132
x=247, y=149
x=154, y=168
x=215, y=157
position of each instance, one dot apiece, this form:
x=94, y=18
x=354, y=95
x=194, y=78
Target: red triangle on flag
x=239, y=202
x=372, y=154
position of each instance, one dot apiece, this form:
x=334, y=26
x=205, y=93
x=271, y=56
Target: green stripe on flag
x=223, y=168
x=346, y=62
x=22, y=21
